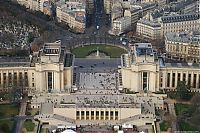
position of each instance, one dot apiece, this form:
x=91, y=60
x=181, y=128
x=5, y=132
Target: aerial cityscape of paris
x=99, y=66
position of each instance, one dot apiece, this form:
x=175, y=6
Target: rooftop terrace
x=143, y=49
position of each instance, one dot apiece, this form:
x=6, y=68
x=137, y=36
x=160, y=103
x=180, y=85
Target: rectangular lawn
x=7, y=125
x=9, y=110
x=112, y=51
x=182, y=108
x=184, y=126
x=164, y=126
x=29, y=125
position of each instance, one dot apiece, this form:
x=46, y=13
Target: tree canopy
x=183, y=90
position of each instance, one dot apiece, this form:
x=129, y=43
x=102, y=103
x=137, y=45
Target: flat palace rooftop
x=14, y=61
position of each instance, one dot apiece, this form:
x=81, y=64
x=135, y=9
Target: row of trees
x=190, y=114
x=183, y=91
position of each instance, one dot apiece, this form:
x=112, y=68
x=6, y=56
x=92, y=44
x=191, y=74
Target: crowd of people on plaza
x=100, y=89
x=98, y=81
x=97, y=101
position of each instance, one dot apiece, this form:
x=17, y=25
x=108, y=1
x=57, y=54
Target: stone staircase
x=63, y=118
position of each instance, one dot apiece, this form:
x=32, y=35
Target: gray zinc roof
x=179, y=18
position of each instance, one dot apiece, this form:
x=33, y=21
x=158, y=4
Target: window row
x=190, y=79
x=97, y=115
x=14, y=79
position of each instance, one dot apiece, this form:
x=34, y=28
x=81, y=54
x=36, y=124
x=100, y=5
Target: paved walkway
x=171, y=108
x=22, y=112
x=158, y=127
x=175, y=101
x=97, y=81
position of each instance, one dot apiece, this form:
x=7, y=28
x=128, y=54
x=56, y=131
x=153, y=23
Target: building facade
x=148, y=29
x=128, y=109
x=183, y=46
x=134, y=14
x=90, y=6
x=121, y=25
x=108, y=6
x=173, y=17
x=179, y=23
x=45, y=6
x=152, y=74
x=72, y=14
x=157, y=28
x=23, y=2
x=51, y=70
x=117, y=11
